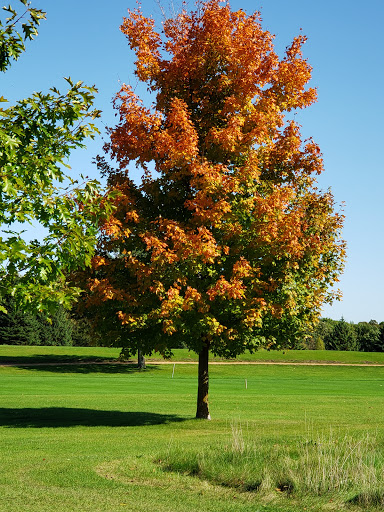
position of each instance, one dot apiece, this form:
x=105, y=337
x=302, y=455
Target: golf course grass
x=107, y=437
x=37, y=354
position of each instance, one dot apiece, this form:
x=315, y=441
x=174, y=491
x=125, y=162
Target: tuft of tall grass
x=347, y=467
x=338, y=464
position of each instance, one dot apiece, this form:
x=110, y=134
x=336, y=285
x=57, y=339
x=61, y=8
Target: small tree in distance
x=342, y=337
x=226, y=244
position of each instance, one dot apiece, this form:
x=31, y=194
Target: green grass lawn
x=36, y=354
x=108, y=438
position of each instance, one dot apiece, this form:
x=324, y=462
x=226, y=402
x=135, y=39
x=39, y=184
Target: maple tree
x=37, y=135
x=225, y=244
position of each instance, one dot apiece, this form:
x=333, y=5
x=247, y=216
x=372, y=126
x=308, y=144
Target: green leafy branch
x=12, y=43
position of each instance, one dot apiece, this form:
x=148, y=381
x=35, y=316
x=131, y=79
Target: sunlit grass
x=89, y=437
x=340, y=468
x=39, y=354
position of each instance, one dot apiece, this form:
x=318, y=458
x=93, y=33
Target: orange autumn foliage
x=226, y=240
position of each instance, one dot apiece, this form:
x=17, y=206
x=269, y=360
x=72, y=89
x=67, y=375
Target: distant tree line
x=18, y=327
x=341, y=335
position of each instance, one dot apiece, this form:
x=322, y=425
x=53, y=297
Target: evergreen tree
x=342, y=337
x=18, y=327
x=24, y=327
x=57, y=330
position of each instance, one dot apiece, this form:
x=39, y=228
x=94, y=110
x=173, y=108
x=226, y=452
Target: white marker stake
x=173, y=371
x=246, y=384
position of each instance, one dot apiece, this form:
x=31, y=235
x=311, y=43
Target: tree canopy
x=226, y=244
x=37, y=135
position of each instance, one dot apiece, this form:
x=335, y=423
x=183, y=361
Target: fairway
x=92, y=437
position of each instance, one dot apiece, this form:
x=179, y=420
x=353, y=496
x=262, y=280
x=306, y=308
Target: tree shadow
x=53, y=358
x=73, y=364
x=58, y=417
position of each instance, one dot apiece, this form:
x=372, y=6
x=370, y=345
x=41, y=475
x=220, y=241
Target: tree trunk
x=140, y=360
x=203, y=385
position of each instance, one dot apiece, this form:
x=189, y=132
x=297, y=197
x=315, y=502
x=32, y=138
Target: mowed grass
x=36, y=354
x=110, y=438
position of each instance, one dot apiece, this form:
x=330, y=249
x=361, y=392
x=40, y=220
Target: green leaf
x=37, y=135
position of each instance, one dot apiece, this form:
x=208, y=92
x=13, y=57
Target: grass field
x=108, y=438
x=36, y=354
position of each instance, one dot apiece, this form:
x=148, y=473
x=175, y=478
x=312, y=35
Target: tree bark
x=203, y=385
x=140, y=360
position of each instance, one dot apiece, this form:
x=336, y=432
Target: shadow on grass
x=73, y=364
x=52, y=358
x=56, y=417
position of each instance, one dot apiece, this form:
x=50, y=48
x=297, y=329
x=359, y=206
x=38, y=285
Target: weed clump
x=347, y=468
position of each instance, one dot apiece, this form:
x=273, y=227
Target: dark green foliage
x=342, y=337
x=369, y=336
x=23, y=327
x=17, y=327
x=331, y=334
x=316, y=341
x=381, y=325
x=56, y=331
x=82, y=332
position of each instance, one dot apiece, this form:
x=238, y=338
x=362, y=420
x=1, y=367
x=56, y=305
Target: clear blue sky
x=345, y=47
